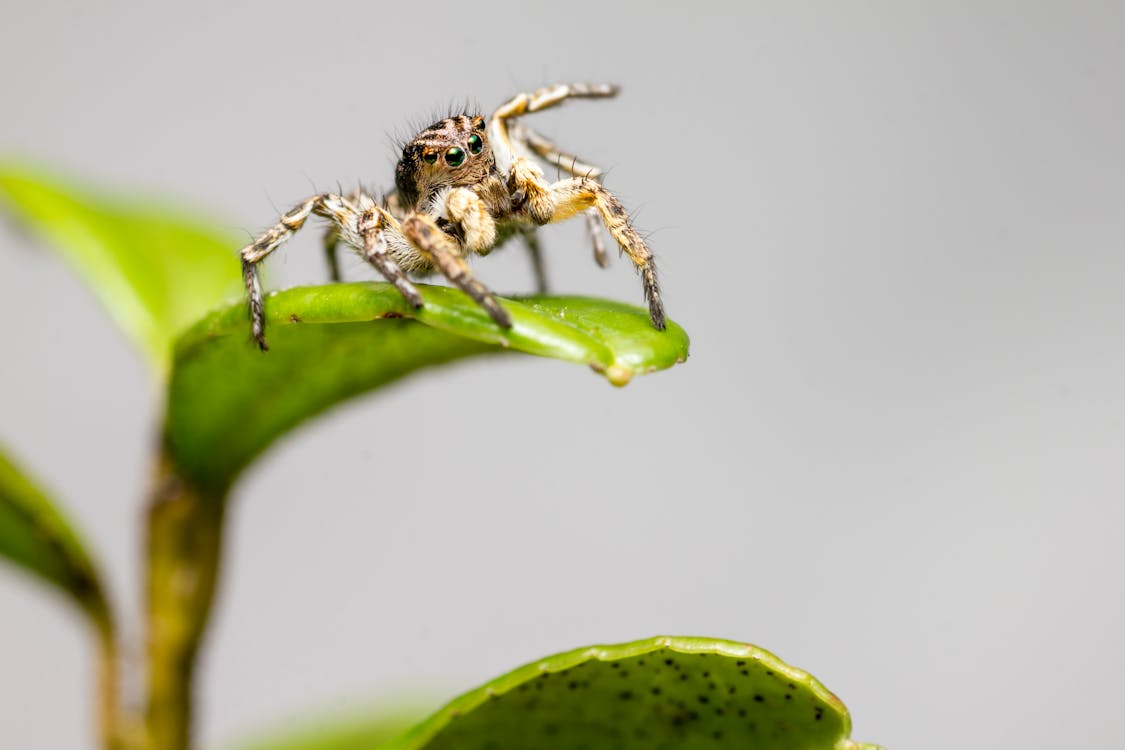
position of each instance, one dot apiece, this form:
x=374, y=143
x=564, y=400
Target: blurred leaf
x=155, y=270
x=336, y=732
x=691, y=693
x=228, y=401
x=36, y=536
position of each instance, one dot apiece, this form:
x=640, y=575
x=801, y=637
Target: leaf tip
x=618, y=374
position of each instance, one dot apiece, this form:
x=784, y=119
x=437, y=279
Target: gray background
x=893, y=230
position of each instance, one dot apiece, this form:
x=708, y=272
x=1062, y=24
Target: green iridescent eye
x=430, y=158
x=454, y=157
x=476, y=144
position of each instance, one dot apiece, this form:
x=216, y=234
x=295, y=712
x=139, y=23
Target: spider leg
x=331, y=239
x=546, y=150
x=531, y=242
x=525, y=177
x=329, y=205
x=422, y=231
x=372, y=226
x=540, y=99
x=578, y=194
x=593, y=228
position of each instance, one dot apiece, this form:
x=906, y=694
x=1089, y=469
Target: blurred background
x=894, y=231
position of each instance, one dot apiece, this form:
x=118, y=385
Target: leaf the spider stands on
x=154, y=269
x=228, y=401
x=690, y=693
x=37, y=537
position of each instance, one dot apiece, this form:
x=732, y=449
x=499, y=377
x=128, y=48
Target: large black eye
x=454, y=157
x=430, y=158
x=476, y=144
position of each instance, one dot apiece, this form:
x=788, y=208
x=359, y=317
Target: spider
x=464, y=185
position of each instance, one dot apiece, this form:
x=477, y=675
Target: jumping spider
x=464, y=185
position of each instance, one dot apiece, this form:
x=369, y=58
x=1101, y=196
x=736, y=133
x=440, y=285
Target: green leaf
x=337, y=732
x=36, y=536
x=686, y=693
x=228, y=401
x=155, y=270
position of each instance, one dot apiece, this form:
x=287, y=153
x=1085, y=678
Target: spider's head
x=450, y=153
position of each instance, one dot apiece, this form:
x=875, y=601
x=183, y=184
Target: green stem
x=183, y=557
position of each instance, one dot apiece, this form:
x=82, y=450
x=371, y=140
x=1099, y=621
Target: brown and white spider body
x=463, y=186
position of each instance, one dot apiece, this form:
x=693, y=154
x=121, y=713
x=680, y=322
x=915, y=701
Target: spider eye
x=454, y=157
x=476, y=144
x=430, y=158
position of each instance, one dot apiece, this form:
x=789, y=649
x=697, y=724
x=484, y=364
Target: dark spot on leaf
x=740, y=663
x=625, y=695
x=788, y=696
x=703, y=699
x=390, y=315
x=759, y=698
x=294, y=318
x=819, y=713
x=572, y=685
x=717, y=734
x=656, y=691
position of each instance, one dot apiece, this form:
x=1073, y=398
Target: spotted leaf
x=665, y=692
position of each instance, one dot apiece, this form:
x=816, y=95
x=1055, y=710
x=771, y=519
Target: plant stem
x=183, y=555
x=110, y=720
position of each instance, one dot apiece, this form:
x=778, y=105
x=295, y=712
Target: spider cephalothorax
x=464, y=185
x=450, y=153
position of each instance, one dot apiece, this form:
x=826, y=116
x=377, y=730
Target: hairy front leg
x=439, y=248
